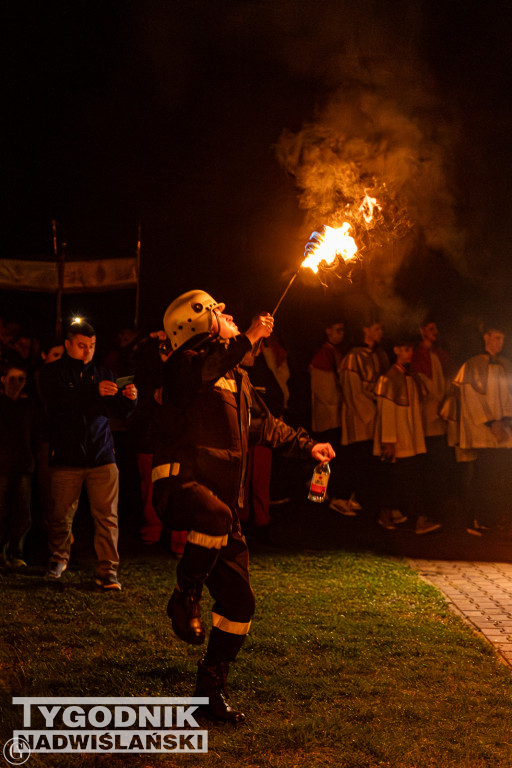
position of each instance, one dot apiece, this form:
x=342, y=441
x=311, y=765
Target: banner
x=78, y=276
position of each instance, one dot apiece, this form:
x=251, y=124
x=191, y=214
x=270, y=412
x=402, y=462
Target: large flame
x=333, y=243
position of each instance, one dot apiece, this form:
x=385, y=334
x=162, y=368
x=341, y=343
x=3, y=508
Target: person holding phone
x=80, y=398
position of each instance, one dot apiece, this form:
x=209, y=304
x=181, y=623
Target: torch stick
x=285, y=292
x=258, y=343
x=326, y=245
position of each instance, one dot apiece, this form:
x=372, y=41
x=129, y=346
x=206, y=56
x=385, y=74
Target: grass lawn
x=352, y=661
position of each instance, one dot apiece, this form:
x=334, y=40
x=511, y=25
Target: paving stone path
x=481, y=592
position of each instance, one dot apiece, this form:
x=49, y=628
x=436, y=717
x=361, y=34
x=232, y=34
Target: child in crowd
x=400, y=442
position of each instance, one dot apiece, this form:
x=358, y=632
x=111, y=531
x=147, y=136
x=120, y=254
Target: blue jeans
x=15, y=519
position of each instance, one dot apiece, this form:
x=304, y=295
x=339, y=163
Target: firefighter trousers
x=215, y=554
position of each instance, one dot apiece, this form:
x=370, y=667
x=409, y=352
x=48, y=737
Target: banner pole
x=58, y=253
x=137, y=269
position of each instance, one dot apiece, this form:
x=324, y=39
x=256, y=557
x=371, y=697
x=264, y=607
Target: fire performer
x=210, y=411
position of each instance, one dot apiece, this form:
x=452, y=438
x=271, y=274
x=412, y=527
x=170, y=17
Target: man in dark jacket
x=80, y=397
x=209, y=414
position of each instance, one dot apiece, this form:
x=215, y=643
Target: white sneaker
x=55, y=569
x=343, y=506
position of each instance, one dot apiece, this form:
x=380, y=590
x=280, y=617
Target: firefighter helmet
x=191, y=314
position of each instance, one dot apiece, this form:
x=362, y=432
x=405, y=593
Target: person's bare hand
x=499, y=431
x=388, y=451
x=130, y=391
x=107, y=388
x=323, y=452
x=260, y=328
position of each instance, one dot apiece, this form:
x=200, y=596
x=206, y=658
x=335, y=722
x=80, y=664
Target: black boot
x=184, y=611
x=211, y=682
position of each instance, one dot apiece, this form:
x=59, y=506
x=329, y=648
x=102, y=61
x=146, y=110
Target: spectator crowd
x=408, y=424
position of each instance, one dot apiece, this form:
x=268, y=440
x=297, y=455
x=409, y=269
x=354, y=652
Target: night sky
x=231, y=130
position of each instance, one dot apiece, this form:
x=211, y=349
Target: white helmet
x=191, y=314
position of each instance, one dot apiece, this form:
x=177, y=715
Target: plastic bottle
x=318, y=487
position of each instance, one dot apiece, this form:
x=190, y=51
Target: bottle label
x=318, y=487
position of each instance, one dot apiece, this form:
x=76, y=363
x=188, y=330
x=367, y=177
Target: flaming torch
x=324, y=249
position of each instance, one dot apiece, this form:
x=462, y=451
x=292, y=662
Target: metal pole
x=137, y=269
x=59, y=259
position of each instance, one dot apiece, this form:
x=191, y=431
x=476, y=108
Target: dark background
x=199, y=120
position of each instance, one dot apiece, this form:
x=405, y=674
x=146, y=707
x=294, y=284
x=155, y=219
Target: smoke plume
x=382, y=131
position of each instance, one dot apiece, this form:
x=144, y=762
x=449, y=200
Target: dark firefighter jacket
x=78, y=415
x=209, y=414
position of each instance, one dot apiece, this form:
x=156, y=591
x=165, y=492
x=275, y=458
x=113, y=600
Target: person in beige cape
x=484, y=433
x=326, y=407
x=400, y=442
x=358, y=373
x=431, y=364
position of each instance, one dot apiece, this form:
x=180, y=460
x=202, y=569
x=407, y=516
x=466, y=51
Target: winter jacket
x=80, y=434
